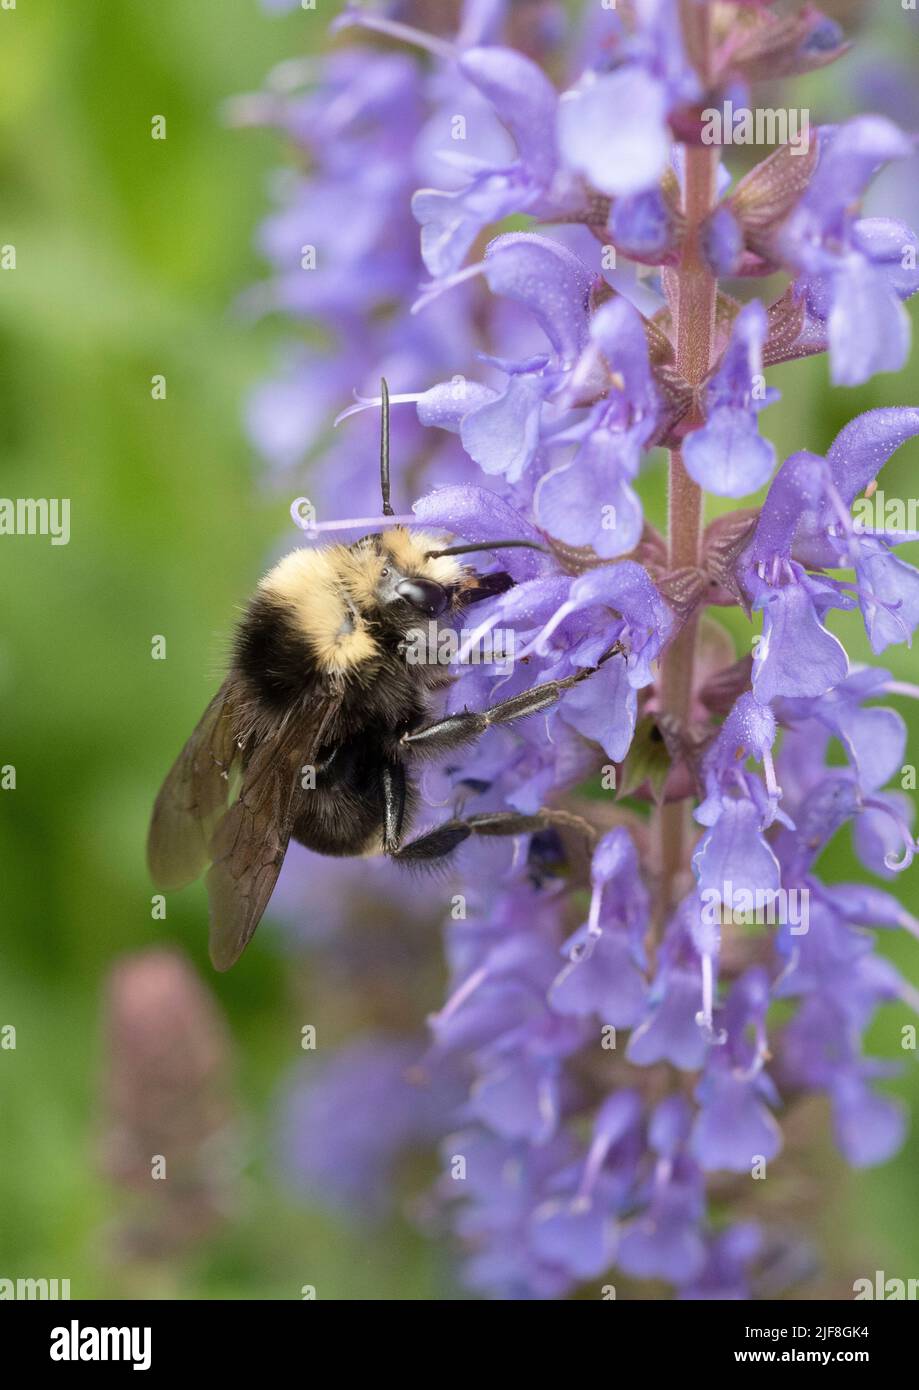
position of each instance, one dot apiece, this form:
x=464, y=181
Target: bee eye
x=424, y=595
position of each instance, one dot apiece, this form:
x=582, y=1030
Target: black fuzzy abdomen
x=343, y=814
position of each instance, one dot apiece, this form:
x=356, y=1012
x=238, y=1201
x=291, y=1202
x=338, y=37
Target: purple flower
x=524, y=101
x=670, y=1030
x=851, y=272
x=805, y=520
x=735, y=1128
x=603, y=511
x=345, y=1128
x=727, y=455
x=644, y=227
x=612, y=128
x=603, y=976
x=728, y=1258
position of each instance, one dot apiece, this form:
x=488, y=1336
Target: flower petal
x=613, y=130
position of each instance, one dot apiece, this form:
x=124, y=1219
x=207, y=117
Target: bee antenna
x=487, y=545
x=384, y=447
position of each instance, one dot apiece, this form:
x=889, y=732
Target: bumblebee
x=313, y=733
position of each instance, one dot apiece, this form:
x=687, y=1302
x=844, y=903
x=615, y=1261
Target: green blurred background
x=130, y=253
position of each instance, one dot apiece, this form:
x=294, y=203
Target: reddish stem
x=693, y=310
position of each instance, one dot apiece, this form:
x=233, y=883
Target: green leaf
x=646, y=761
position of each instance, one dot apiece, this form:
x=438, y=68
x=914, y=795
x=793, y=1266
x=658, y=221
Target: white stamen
x=475, y=637
x=559, y=616
x=759, y=1058
x=458, y=999
x=351, y=523
x=435, y=288
x=910, y=846
x=293, y=73
x=705, y=1017
x=901, y=688
x=593, y=1165
x=593, y=920
x=251, y=109
x=772, y=786
x=373, y=403
x=360, y=19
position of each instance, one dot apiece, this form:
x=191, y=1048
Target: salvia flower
x=607, y=1056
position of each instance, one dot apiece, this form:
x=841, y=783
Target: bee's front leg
x=456, y=729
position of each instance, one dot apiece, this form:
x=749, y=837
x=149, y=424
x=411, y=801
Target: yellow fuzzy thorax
x=329, y=591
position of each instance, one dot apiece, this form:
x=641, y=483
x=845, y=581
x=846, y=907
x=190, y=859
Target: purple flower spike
x=669, y=1032
x=874, y=738
x=728, y=1257
x=451, y=221
x=502, y=436
x=606, y=984
x=605, y=709
x=867, y=325
x=646, y=619
x=806, y=516
x=748, y=731
x=604, y=511
x=888, y=595
x=850, y=156
x=601, y=976
x=645, y=968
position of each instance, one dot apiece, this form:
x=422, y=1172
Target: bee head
x=399, y=575
x=412, y=583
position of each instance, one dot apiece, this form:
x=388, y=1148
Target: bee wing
x=193, y=796
x=250, y=842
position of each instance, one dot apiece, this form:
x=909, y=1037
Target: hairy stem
x=693, y=308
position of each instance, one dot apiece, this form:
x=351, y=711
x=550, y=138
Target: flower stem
x=693, y=309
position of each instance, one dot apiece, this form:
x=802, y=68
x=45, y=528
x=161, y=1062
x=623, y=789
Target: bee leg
x=515, y=823
x=457, y=729
x=392, y=780
x=444, y=838
x=436, y=844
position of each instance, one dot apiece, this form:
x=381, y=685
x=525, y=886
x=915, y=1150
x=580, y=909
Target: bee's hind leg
x=395, y=793
x=433, y=845
x=445, y=838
